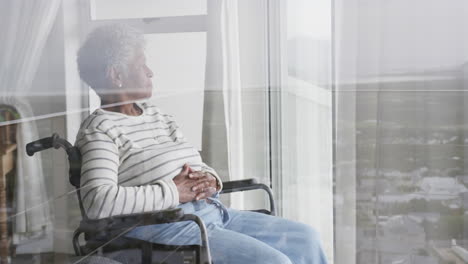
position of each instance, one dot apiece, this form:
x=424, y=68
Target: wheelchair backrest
x=74, y=160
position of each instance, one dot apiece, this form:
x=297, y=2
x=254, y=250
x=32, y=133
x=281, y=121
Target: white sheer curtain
x=232, y=92
x=25, y=27
x=306, y=180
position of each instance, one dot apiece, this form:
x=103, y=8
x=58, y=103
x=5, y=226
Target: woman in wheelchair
x=135, y=159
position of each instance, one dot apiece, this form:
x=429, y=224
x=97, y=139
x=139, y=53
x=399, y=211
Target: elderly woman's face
x=137, y=81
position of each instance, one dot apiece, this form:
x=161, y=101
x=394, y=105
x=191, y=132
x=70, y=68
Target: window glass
x=401, y=131
x=308, y=40
x=178, y=61
x=306, y=116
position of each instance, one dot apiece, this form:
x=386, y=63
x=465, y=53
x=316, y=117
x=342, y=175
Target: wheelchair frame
x=108, y=233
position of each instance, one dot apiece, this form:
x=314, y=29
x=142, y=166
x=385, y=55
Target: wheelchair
x=104, y=236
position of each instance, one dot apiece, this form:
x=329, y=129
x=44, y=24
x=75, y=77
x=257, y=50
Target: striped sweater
x=128, y=162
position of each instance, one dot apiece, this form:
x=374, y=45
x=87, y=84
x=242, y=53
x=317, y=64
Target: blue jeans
x=240, y=236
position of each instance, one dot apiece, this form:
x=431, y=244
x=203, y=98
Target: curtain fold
x=25, y=27
x=232, y=93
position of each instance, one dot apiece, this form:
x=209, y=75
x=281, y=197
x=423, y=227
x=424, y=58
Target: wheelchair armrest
x=120, y=222
x=239, y=185
x=247, y=185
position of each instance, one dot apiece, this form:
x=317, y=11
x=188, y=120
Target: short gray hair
x=105, y=47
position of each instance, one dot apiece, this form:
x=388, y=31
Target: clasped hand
x=194, y=185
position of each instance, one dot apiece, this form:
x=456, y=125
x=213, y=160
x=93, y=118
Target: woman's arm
x=101, y=194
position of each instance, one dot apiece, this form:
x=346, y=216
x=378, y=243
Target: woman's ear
x=115, y=77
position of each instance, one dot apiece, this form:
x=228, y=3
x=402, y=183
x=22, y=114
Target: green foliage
x=4, y=111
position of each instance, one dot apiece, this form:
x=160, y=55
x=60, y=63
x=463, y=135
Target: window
x=303, y=110
x=400, y=132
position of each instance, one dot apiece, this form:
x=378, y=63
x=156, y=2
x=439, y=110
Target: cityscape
x=412, y=195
